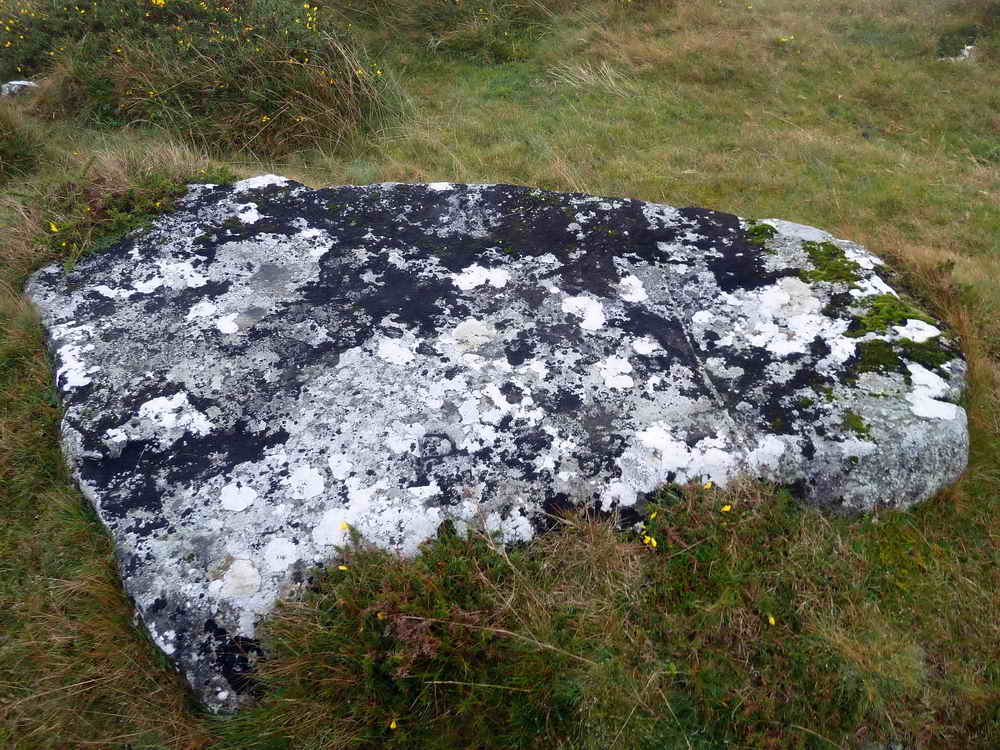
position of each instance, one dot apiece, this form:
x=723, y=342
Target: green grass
x=840, y=116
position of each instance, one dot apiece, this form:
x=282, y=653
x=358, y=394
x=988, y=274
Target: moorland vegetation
x=738, y=618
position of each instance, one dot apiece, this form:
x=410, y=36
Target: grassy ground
x=765, y=625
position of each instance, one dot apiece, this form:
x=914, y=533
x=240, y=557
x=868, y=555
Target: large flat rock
x=270, y=364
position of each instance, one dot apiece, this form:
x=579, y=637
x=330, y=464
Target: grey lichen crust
x=270, y=365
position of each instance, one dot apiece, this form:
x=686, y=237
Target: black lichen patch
x=233, y=656
x=736, y=262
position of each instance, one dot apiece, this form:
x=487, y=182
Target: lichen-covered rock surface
x=269, y=365
x=13, y=88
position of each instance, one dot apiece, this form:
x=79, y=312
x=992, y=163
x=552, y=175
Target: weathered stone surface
x=269, y=363
x=13, y=88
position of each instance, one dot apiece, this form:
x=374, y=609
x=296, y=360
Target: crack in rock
x=269, y=365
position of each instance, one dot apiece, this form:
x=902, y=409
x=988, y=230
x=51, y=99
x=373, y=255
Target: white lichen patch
x=269, y=368
x=917, y=331
x=305, y=482
x=928, y=389
x=475, y=275
x=615, y=371
x=632, y=290
x=240, y=580
x=590, y=311
x=236, y=497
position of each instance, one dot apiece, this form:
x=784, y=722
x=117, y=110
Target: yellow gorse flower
x=726, y=508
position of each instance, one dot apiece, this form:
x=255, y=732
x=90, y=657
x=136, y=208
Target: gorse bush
x=267, y=76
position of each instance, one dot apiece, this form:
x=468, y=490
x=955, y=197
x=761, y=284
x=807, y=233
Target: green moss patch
x=883, y=356
x=830, y=264
x=884, y=311
x=876, y=356
x=853, y=422
x=758, y=234
x=930, y=354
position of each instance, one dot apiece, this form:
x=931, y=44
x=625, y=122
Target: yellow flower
x=770, y=619
x=344, y=526
x=380, y=615
x=726, y=508
x=652, y=515
x=53, y=227
x=392, y=724
x=341, y=567
x=265, y=118
x=650, y=541
x=708, y=485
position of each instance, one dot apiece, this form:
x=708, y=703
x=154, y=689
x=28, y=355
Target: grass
x=840, y=116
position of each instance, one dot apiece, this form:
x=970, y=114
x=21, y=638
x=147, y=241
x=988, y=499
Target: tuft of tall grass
x=20, y=146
